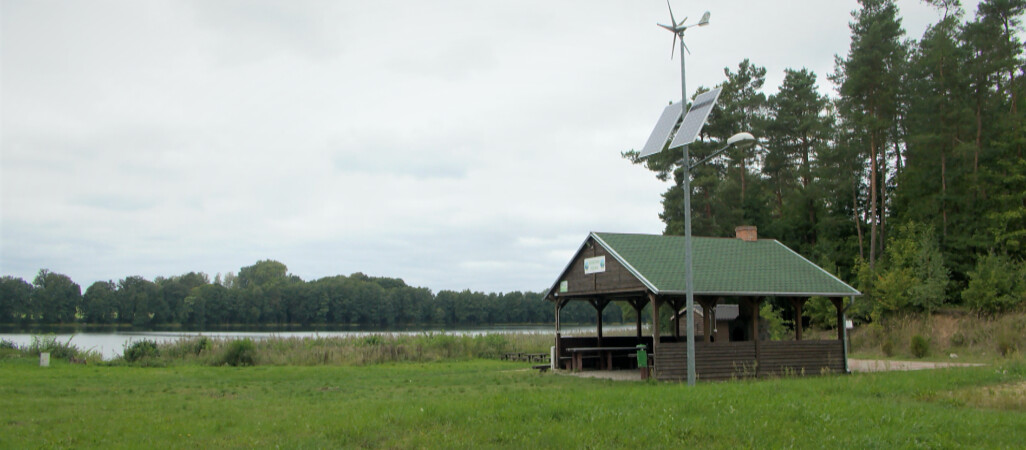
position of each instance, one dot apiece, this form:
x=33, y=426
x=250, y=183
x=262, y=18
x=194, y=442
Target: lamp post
x=740, y=140
x=656, y=142
x=678, y=30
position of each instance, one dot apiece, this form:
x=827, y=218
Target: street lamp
x=678, y=33
x=690, y=126
x=741, y=140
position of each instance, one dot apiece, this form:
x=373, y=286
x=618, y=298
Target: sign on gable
x=595, y=265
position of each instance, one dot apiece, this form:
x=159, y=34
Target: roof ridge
x=679, y=236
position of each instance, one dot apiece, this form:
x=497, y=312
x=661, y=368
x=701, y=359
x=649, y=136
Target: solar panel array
x=695, y=119
x=663, y=129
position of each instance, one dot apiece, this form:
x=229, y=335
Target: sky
x=456, y=144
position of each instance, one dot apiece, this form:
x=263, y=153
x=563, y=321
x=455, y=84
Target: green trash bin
x=643, y=361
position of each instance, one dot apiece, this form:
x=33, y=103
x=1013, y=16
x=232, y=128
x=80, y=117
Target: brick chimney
x=747, y=233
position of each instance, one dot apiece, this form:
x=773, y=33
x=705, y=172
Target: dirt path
x=878, y=365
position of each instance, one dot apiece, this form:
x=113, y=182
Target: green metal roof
x=723, y=266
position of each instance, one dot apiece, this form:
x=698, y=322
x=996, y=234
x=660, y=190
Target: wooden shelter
x=639, y=269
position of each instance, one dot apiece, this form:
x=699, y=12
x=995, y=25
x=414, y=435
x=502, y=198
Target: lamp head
x=741, y=140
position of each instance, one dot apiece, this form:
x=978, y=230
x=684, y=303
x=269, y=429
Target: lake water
x=113, y=344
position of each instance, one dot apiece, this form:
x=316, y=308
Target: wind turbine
x=678, y=28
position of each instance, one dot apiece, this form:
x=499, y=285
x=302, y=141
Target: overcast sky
x=454, y=144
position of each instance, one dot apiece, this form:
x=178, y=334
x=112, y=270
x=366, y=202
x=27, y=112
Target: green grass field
x=486, y=403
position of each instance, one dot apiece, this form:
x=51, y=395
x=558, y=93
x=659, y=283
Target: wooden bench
x=605, y=355
x=541, y=368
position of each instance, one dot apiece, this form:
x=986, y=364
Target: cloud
x=456, y=144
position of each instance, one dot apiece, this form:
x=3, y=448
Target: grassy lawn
x=490, y=403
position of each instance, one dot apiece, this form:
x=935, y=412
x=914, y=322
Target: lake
x=112, y=344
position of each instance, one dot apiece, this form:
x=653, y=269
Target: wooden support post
x=655, y=323
x=559, y=347
x=798, y=303
x=600, y=305
x=754, y=301
x=677, y=305
x=708, y=310
x=839, y=305
x=638, y=305
x=676, y=321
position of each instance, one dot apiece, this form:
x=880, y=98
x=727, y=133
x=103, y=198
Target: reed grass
x=350, y=351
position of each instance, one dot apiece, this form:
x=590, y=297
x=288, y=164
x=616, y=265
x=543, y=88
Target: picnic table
x=605, y=355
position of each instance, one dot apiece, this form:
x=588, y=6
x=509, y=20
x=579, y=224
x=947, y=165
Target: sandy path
x=877, y=365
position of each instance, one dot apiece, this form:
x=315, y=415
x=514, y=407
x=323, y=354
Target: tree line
x=266, y=294
x=910, y=182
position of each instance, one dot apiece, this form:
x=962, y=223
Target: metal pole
x=688, y=273
x=847, y=369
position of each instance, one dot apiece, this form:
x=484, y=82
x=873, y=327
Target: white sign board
x=848, y=324
x=595, y=265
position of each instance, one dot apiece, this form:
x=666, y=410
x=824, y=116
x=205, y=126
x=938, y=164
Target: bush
x=887, y=346
x=50, y=344
x=8, y=349
x=920, y=346
x=821, y=313
x=1007, y=343
x=958, y=339
x=996, y=285
x=912, y=277
x=776, y=328
x=239, y=353
x=141, y=350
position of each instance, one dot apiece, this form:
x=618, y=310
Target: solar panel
x=661, y=133
x=695, y=119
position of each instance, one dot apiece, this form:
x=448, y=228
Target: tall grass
x=354, y=351
x=49, y=343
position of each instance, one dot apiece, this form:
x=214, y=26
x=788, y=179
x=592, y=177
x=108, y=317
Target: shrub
x=996, y=285
x=920, y=346
x=50, y=344
x=200, y=344
x=887, y=346
x=371, y=340
x=1007, y=343
x=141, y=350
x=776, y=328
x=239, y=353
x=821, y=313
x=958, y=339
x=912, y=277
x=8, y=349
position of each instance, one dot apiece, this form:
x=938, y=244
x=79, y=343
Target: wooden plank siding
x=725, y=360
x=616, y=277
x=800, y=357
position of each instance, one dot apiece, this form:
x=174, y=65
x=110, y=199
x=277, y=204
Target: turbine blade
x=674, y=48
x=682, y=44
x=667, y=27
x=672, y=20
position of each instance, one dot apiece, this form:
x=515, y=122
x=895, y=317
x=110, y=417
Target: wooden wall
x=616, y=278
x=800, y=357
x=724, y=360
